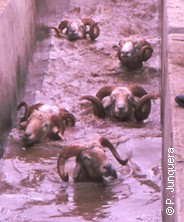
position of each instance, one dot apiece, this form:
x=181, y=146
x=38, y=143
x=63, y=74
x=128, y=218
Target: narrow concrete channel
x=59, y=74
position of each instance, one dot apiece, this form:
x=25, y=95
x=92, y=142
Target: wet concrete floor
x=60, y=73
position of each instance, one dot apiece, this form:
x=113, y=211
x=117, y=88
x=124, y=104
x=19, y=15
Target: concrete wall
x=176, y=82
x=166, y=116
x=173, y=131
x=17, y=31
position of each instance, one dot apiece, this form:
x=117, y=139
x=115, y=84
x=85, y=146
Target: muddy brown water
x=60, y=73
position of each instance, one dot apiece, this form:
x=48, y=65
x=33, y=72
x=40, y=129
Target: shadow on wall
x=49, y=11
x=9, y=102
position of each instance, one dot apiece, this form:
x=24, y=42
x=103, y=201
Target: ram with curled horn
x=122, y=103
x=78, y=29
x=91, y=161
x=44, y=122
x=132, y=54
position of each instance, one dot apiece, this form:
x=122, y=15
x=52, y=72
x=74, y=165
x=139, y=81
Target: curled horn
x=138, y=91
x=88, y=21
x=145, y=51
x=57, y=31
x=143, y=106
x=67, y=117
x=106, y=143
x=63, y=25
x=105, y=91
x=26, y=110
x=66, y=153
x=97, y=105
x=94, y=30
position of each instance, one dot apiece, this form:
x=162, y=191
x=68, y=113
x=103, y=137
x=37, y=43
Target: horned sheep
x=132, y=54
x=78, y=29
x=42, y=121
x=91, y=161
x=122, y=103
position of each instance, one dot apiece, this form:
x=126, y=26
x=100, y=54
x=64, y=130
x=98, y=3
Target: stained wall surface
x=16, y=44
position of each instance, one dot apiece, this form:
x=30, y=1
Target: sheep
x=92, y=164
x=133, y=54
x=42, y=121
x=122, y=103
x=78, y=29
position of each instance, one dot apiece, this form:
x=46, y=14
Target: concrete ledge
x=174, y=115
x=176, y=82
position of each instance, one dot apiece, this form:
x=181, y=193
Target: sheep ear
x=46, y=126
x=107, y=101
x=23, y=124
x=116, y=48
x=57, y=133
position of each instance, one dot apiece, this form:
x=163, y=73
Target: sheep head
x=27, y=112
x=91, y=162
x=133, y=54
x=73, y=29
x=119, y=103
x=112, y=101
x=78, y=29
x=38, y=127
x=122, y=102
x=42, y=121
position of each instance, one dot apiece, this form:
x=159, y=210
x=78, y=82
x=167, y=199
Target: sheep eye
x=132, y=100
x=112, y=97
x=46, y=126
x=86, y=159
